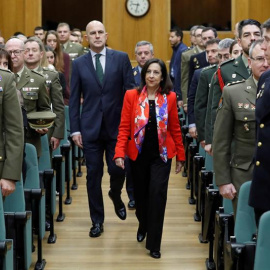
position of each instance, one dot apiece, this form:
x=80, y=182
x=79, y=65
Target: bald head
x=96, y=36
x=14, y=41
x=15, y=47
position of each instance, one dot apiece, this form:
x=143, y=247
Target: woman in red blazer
x=150, y=135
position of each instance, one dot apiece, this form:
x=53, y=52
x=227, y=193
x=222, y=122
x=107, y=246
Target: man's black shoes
x=119, y=207
x=96, y=230
x=131, y=205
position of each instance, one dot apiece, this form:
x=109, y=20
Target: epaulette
x=236, y=82
x=49, y=69
x=187, y=49
x=7, y=70
x=227, y=61
x=209, y=67
x=36, y=72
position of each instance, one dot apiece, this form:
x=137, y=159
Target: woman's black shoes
x=155, y=254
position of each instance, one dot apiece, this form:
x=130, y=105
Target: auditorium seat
x=6, y=245
x=262, y=259
x=18, y=224
x=240, y=248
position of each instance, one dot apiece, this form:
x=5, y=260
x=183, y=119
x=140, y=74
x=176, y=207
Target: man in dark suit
x=101, y=78
x=143, y=52
x=260, y=187
x=212, y=59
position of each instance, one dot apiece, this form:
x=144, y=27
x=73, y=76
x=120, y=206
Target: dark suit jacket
x=137, y=75
x=125, y=140
x=260, y=186
x=102, y=102
x=196, y=61
x=191, y=95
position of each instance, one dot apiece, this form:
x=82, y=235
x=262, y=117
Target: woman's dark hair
x=5, y=54
x=166, y=84
x=232, y=45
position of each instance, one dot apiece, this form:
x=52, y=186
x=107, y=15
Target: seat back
x=7, y=261
x=2, y=219
x=262, y=260
x=228, y=206
x=245, y=225
x=44, y=161
x=32, y=170
x=67, y=120
x=15, y=201
x=32, y=179
x=208, y=162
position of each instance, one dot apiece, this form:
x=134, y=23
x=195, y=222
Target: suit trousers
x=94, y=154
x=151, y=177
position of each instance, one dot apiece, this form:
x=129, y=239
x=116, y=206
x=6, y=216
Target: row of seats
x=23, y=214
x=234, y=242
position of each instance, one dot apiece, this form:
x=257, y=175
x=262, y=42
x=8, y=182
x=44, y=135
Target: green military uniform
x=74, y=50
x=56, y=99
x=234, y=134
x=11, y=128
x=201, y=99
x=231, y=71
x=185, y=70
x=33, y=90
x=86, y=50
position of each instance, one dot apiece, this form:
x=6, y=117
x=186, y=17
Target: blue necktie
x=99, y=69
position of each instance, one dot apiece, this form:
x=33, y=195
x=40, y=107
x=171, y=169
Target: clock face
x=137, y=8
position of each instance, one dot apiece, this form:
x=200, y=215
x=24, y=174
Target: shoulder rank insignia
x=227, y=61
x=236, y=82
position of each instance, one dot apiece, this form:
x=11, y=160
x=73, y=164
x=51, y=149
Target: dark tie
x=99, y=69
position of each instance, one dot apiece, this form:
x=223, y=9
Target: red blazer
x=125, y=141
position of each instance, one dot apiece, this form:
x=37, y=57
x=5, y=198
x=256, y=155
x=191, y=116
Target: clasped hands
x=120, y=162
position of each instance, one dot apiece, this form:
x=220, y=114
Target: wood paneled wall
x=253, y=9
x=186, y=13
x=124, y=31
x=19, y=15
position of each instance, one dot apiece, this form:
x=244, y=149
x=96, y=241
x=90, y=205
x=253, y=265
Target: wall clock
x=137, y=8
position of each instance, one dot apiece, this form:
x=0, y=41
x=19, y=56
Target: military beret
x=39, y=120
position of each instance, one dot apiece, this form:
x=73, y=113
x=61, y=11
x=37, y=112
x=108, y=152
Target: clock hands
x=135, y=4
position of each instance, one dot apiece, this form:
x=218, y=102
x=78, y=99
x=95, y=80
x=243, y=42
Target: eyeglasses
x=15, y=52
x=259, y=59
x=224, y=56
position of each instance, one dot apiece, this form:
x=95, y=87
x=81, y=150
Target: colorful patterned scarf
x=141, y=120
